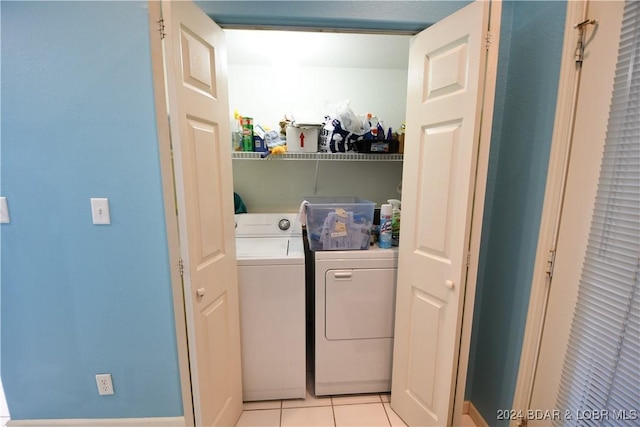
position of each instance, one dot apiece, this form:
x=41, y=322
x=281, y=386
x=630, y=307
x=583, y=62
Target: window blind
x=600, y=383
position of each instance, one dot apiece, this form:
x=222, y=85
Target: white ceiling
x=317, y=49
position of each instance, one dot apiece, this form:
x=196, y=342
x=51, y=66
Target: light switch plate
x=100, y=211
x=4, y=211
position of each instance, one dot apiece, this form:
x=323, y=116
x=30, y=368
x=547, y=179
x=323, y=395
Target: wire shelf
x=320, y=156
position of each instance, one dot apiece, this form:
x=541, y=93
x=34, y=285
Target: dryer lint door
x=360, y=303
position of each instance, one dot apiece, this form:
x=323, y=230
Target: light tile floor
x=361, y=410
x=365, y=410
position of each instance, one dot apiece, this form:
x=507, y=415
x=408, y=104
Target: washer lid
x=269, y=250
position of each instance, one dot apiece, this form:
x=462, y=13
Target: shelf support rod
x=315, y=183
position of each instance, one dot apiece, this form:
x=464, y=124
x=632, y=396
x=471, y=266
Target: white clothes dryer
x=271, y=280
x=355, y=293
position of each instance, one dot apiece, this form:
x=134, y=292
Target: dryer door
x=360, y=303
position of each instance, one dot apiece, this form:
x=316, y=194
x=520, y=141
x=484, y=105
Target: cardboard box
x=303, y=138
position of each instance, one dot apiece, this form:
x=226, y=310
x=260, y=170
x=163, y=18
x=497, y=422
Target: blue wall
x=531, y=40
x=78, y=299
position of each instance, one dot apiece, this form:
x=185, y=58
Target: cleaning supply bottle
x=395, y=221
x=384, y=242
x=247, y=133
x=380, y=132
x=400, y=134
x=236, y=132
x=366, y=127
x=375, y=228
x=373, y=126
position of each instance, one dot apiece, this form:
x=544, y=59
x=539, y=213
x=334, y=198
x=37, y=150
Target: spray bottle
x=384, y=242
x=395, y=221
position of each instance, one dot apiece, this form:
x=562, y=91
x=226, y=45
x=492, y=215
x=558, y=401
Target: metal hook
x=586, y=22
x=579, y=53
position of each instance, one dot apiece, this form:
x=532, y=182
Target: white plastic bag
x=348, y=119
x=342, y=128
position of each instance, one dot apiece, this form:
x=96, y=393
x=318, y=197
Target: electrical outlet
x=105, y=385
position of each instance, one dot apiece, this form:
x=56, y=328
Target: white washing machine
x=271, y=280
x=355, y=294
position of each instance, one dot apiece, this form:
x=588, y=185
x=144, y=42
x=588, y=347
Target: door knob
x=449, y=284
x=201, y=292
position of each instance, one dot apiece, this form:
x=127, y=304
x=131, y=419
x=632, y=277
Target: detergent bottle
x=395, y=221
x=366, y=127
x=236, y=133
x=380, y=132
x=384, y=241
x=373, y=126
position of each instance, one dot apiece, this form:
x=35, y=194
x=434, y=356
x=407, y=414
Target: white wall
x=278, y=73
x=267, y=93
x=280, y=185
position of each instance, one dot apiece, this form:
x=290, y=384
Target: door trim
x=552, y=208
x=170, y=203
x=484, y=145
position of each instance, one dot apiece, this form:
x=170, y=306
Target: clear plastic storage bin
x=339, y=223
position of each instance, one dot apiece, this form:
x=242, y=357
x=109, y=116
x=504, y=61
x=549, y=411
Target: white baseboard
x=101, y=422
x=475, y=415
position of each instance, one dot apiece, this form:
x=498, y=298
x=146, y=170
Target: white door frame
x=170, y=212
x=173, y=243
x=495, y=22
x=552, y=208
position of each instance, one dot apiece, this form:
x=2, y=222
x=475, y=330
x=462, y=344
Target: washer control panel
x=284, y=224
x=267, y=225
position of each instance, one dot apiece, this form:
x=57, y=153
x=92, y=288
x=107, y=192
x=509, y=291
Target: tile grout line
x=333, y=412
x=386, y=413
x=281, y=408
x=384, y=408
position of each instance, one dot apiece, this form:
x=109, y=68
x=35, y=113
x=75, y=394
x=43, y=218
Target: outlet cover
x=105, y=385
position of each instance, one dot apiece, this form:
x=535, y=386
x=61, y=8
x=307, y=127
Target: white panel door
x=443, y=192
x=201, y=140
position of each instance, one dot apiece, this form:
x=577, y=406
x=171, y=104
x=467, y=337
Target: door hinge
x=523, y=422
x=551, y=261
x=161, y=28
x=579, y=52
x=487, y=40
x=468, y=259
x=181, y=267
